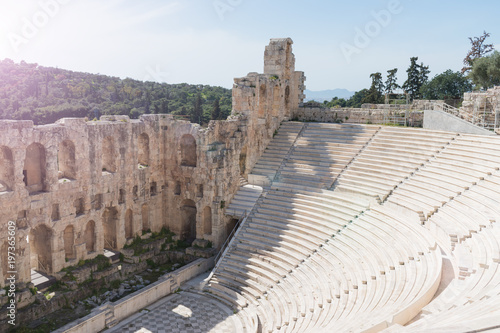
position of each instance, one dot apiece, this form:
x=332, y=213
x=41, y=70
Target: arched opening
x=121, y=196
x=188, y=221
x=40, y=240
x=129, y=224
x=69, y=242
x=207, y=220
x=287, y=97
x=34, y=168
x=145, y=217
x=188, y=150
x=109, y=222
x=143, y=145
x=66, y=160
x=108, y=155
x=262, y=101
x=243, y=160
x=230, y=226
x=90, y=236
x=6, y=169
x=79, y=206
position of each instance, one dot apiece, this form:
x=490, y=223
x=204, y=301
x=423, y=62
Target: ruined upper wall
x=265, y=100
x=279, y=59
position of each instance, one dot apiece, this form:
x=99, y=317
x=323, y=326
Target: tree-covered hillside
x=46, y=94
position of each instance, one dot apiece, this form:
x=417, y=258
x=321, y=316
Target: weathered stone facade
x=77, y=187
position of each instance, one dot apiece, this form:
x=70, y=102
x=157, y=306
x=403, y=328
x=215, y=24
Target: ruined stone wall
x=125, y=177
x=77, y=187
x=265, y=100
x=351, y=115
x=481, y=101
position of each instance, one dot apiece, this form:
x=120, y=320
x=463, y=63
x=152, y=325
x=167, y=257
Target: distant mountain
x=327, y=95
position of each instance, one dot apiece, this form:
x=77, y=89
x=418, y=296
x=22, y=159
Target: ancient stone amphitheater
x=342, y=227
x=363, y=228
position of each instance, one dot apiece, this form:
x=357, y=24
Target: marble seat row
x=322, y=152
x=276, y=151
x=390, y=157
x=308, y=260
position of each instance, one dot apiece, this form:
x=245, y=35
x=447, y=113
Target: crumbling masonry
x=77, y=187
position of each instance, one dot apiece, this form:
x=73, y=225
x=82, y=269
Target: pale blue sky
x=213, y=41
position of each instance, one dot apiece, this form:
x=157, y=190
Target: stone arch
x=143, y=147
x=6, y=169
x=40, y=240
x=90, y=236
x=66, y=160
x=129, y=224
x=207, y=220
x=109, y=223
x=34, y=170
x=188, y=220
x=69, y=242
x=145, y=217
x=108, y=154
x=188, y=150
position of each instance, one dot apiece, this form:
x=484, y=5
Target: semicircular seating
x=425, y=258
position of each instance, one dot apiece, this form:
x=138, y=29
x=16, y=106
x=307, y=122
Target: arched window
x=6, y=169
x=145, y=217
x=207, y=220
x=129, y=224
x=66, y=160
x=108, y=155
x=109, y=222
x=188, y=220
x=188, y=150
x=90, y=236
x=34, y=168
x=40, y=240
x=143, y=147
x=69, y=242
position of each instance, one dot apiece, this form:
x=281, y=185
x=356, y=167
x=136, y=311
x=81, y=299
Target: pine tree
x=418, y=75
x=216, y=110
x=375, y=92
x=196, y=116
x=391, y=84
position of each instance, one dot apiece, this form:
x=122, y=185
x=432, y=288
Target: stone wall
x=350, y=115
x=76, y=187
x=268, y=99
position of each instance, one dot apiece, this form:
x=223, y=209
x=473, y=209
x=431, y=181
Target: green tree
x=478, y=50
x=215, y=110
x=418, y=75
x=356, y=100
x=446, y=85
x=197, y=113
x=391, y=82
x=374, y=95
x=485, y=71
